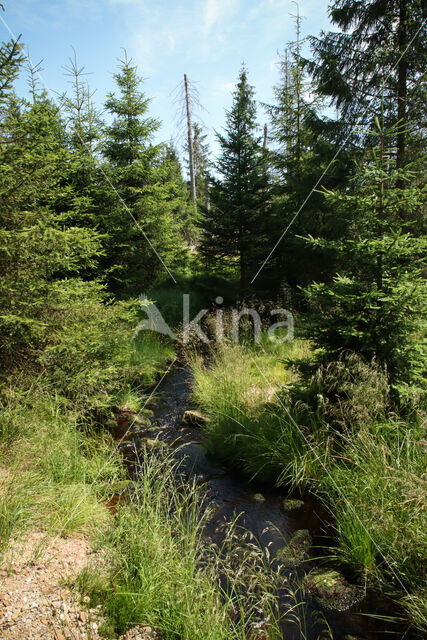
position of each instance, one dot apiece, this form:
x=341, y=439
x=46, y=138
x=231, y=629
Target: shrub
x=348, y=392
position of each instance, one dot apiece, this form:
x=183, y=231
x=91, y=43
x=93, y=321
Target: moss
x=291, y=504
x=258, y=497
x=331, y=589
x=297, y=549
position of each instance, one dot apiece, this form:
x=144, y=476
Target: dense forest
x=315, y=204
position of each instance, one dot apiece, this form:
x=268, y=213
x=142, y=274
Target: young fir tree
x=181, y=207
x=84, y=120
x=84, y=136
x=374, y=304
x=201, y=165
x=142, y=229
x=302, y=148
x=42, y=255
x=236, y=225
x=11, y=59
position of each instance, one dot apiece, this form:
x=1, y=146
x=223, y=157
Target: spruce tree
x=11, y=59
x=84, y=137
x=201, y=165
x=302, y=147
x=181, y=207
x=143, y=235
x=235, y=228
x=374, y=304
x=379, y=43
x=43, y=256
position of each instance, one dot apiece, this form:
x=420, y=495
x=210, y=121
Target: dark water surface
x=260, y=510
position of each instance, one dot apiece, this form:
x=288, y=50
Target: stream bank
x=297, y=534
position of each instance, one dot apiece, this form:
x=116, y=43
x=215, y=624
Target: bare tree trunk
x=402, y=72
x=190, y=142
x=264, y=146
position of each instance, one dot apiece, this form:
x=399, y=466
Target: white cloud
x=227, y=86
x=215, y=12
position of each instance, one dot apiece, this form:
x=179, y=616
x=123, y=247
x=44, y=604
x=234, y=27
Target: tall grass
x=334, y=437
x=164, y=573
x=379, y=489
x=247, y=423
x=55, y=476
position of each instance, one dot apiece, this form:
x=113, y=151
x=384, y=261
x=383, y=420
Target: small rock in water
x=194, y=417
x=150, y=443
x=291, y=504
x=297, y=550
x=331, y=589
x=258, y=497
x=213, y=509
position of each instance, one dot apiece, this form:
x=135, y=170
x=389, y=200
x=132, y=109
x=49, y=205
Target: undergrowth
x=332, y=432
x=162, y=570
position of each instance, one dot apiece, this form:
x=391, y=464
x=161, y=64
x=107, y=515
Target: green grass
x=164, y=573
x=379, y=491
x=248, y=424
x=369, y=468
x=54, y=476
x=59, y=469
x=58, y=466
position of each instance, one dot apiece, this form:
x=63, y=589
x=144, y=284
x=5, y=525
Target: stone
x=296, y=551
x=258, y=497
x=331, y=590
x=291, y=504
x=194, y=417
x=140, y=633
x=150, y=443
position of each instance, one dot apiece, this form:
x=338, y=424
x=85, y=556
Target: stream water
x=260, y=510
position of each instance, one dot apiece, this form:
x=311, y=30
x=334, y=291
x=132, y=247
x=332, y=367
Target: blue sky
x=207, y=39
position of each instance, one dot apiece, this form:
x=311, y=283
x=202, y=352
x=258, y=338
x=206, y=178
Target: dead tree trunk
x=190, y=142
x=402, y=71
x=264, y=146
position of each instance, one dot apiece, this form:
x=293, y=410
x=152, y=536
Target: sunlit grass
x=163, y=571
x=57, y=475
x=239, y=390
x=370, y=473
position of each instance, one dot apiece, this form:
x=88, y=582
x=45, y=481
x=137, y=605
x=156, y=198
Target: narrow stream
x=261, y=511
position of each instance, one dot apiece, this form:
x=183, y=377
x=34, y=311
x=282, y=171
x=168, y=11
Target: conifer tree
x=234, y=230
x=141, y=228
x=84, y=120
x=11, y=59
x=201, y=165
x=42, y=255
x=84, y=137
x=378, y=43
x=182, y=210
x=302, y=149
x=374, y=304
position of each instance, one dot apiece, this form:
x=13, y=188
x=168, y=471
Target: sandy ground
x=35, y=604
